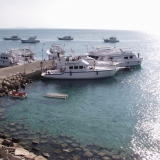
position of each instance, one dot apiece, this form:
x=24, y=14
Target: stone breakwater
x=16, y=77
x=13, y=83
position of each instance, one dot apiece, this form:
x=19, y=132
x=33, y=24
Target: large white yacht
x=16, y=56
x=30, y=40
x=124, y=56
x=75, y=68
x=55, y=51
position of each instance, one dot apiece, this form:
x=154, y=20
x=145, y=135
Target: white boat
x=30, y=40
x=124, y=56
x=14, y=37
x=72, y=68
x=112, y=39
x=56, y=95
x=93, y=61
x=16, y=56
x=55, y=51
x=65, y=38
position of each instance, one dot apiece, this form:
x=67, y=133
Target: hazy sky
x=85, y=14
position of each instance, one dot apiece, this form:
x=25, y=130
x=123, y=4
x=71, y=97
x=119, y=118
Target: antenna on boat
x=42, y=51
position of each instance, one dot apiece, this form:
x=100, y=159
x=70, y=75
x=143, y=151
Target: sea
x=120, y=112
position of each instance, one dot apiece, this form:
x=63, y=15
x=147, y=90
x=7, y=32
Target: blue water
x=121, y=111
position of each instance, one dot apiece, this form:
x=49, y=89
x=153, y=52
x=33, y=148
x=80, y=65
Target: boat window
x=75, y=67
x=3, y=57
x=131, y=57
x=125, y=57
x=70, y=67
x=80, y=67
x=6, y=57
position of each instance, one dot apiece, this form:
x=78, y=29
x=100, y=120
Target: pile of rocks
x=11, y=150
x=13, y=83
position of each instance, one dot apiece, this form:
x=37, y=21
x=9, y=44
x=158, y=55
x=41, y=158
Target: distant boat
x=65, y=38
x=30, y=40
x=14, y=37
x=112, y=39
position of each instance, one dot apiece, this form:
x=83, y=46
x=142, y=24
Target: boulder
x=46, y=155
x=4, y=152
x=6, y=142
x=30, y=156
x=40, y=158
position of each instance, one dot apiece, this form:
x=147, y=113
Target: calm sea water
x=121, y=111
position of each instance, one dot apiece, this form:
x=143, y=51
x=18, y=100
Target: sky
x=81, y=14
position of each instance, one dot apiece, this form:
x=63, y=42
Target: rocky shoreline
x=15, y=82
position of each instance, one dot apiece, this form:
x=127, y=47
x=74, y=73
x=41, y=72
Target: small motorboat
x=30, y=40
x=17, y=94
x=112, y=39
x=56, y=95
x=65, y=38
x=14, y=37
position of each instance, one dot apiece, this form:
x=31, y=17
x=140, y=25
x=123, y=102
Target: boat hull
x=110, y=41
x=6, y=63
x=95, y=74
x=131, y=63
x=26, y=41
x=17, y=95
x=65, y=38
x=12, y=38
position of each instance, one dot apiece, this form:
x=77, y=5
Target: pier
x=30, y=69
x=16, y=77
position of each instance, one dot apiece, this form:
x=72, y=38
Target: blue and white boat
x=75, y=68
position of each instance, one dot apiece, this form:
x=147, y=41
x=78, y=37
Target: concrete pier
x=30, y=69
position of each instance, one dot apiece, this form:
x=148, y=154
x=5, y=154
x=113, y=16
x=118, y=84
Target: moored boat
x=55, y=51
x=16, y=56
x=112, y=39
x=30, y=40
x=65, y=38
x=17, y=94
x=75, y=68
x=124, y=56
x=14, y=37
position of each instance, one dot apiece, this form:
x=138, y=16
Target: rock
x=4, y=152
x=35, y=149
x=6, y=142
x=30, y=156
x=16, y=140
x=88, y=154
x=35, y=142
x=46, y=155
x=21, y=152
x=16, y=158
x=9, y=155
x=40, y=158
x=106, y=158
